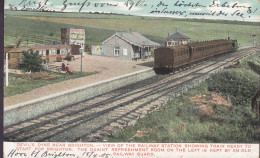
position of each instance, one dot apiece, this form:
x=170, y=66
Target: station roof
x=177, y=35
x=134, y=38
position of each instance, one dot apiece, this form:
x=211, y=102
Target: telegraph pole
x=6, y=75
x=81, y=52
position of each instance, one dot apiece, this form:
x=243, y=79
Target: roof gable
x=177, y=35
x=134, y=38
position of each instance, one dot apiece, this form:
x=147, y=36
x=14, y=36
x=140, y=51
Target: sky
x=240, y=10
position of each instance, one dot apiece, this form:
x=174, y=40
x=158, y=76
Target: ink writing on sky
x=161, y=8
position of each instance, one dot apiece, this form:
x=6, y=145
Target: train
x=170, y=59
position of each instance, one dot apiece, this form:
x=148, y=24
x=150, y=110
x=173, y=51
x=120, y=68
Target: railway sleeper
x=126, y=119
x=116, y=125
x=111, y=129
x=104, y=133
x=122, y=122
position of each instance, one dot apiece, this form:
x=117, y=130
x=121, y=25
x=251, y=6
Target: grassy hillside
x=99, y=27
x=218, y=111
x=44, y=32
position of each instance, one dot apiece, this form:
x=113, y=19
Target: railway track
x=98, y=117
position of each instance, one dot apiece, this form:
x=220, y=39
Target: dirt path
x=106, y=66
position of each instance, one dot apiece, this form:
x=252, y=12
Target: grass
x=99, y=27
x=38, y=32
x=19, y=85
x=183, y=122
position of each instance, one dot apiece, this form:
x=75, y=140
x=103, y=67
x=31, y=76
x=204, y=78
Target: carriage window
x=44, y=52
x=63, y=52
x=40, y=52
x=53, y=52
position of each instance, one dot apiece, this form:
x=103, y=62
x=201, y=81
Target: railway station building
x=129, y=46
x=176, y=38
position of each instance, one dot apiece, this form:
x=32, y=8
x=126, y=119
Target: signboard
x=97, y=50
x=77, y=37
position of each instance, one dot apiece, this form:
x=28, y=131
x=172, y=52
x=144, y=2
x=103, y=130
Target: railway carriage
x=171, y=58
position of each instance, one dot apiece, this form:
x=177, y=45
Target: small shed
x=15, y=56
x=129, y=46
x=177, y=38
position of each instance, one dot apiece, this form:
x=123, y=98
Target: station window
x=116, y=51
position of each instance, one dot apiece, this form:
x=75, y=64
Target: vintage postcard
x=131, y=78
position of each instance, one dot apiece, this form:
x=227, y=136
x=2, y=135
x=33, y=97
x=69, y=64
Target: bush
x=254, y=67
x=31, y=62
x=240, y=85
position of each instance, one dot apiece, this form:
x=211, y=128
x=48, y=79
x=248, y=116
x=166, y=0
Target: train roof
x=208, y=42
